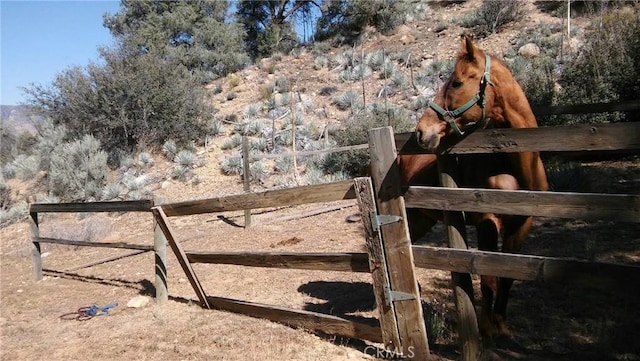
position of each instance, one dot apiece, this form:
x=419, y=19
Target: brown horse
x=482, y=93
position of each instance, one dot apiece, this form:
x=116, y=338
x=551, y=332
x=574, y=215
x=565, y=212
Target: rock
x=529, y=50
x=407, y=39
x=403, y=29
x=138, y=302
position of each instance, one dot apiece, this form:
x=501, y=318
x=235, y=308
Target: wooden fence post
x=36, y=252
x=377, y=263
x=454, y=222
x=246, y=177
x=397, y=244
x=160, y=248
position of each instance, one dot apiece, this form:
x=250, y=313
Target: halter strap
x=449, y=116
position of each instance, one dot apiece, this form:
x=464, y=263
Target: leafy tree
x=191, y=33
x=270, y=24
x=348, y=18
x=132, y=100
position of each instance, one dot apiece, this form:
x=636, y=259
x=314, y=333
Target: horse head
x=463, y=103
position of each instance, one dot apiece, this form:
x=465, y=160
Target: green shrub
x=320, y=62
x=606, y=69
x=5, y=195
x=112, y=191
x=26, y=167
x=78, y=170
x=283, y=165
x=234, y=141
x=145, y=160
x=217, y=129
x=259, y=172
x=15, y=213
x=492, y=15
x=375, y=60
x=282, y=84
x=349, y=100
x=355, y=131
x=252, y=110
x=170, y=149
x=51, y=137
x=231, y=165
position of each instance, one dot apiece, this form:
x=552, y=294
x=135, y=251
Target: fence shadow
x=341, y=298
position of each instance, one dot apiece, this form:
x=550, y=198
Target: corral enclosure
x=585, y=333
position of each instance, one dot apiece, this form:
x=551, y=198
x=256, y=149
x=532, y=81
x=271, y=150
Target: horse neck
x=513, y=109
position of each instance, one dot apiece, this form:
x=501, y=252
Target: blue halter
x=449, y=116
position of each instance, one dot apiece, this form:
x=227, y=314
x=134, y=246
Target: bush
x=349, y=100
x=145, y=160
x=5, y=195
x=126, y=102
x=355, y=131
x=170, y=149
x=233, y=142
x=217, y=129
x=112, y=191
x=26, y=167
x=78, y=170
x=345, y=20
x=493, y=15
x=606, y=69
x=15, y=213
x=231, y=166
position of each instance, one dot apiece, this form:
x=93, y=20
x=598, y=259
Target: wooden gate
x=401, y=326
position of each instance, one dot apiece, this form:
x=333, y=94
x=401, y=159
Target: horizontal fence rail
x=348, y=262
x=328, y=324
x=69, y=242
x=120, y=206
x=591, y=206
x=327, y=192
x=525, y=267
x=575, y=138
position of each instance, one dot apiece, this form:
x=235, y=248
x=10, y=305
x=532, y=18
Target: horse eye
x=456, y=84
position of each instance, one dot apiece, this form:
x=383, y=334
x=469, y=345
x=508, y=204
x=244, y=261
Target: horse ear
x=468, y=50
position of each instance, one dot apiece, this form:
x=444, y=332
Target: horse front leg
x=516, y=229
x=488, y=229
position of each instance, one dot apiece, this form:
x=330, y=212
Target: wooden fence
x=398, y=333
x=390, y=257
x=587, y=138
x=159, y=246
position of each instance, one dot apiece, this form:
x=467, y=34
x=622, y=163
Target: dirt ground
x=551, y=321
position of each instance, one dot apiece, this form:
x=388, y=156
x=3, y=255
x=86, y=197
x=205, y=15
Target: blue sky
x=39, y=39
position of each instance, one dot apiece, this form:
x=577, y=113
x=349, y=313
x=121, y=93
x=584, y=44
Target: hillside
x=314, y=75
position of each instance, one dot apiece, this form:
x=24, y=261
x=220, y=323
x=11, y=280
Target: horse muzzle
x=428, y=139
